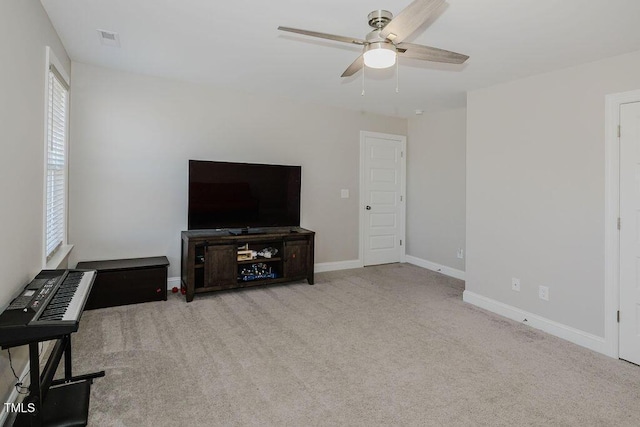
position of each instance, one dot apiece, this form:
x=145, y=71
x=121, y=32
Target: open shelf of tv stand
x=210, y=258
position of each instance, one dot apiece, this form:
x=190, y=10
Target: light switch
x=344, y=194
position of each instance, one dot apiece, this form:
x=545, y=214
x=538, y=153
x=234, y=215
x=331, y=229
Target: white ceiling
x=236, y=44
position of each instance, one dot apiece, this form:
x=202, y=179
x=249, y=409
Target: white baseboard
x=576, y=336
x=338, y=265
x=173, y=281
x=356, y=263
x=448, y=271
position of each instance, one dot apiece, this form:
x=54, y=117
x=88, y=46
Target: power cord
x=19, y=387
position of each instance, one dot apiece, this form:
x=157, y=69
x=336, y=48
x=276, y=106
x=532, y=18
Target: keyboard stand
x=68, y=402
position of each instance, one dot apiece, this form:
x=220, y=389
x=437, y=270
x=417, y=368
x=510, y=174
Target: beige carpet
x=387, y=345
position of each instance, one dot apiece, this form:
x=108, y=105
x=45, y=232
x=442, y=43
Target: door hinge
x=618, y=316
x=400, y=242
x=402, y=152
x=400, y=198
x=618, y=223
x=618, y=131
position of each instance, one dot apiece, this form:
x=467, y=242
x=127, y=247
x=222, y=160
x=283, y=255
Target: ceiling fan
x=385, y=42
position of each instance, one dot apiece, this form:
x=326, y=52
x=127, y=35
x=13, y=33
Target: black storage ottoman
x=127, y=281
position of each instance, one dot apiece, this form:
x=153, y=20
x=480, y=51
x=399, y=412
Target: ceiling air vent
x=109, y=38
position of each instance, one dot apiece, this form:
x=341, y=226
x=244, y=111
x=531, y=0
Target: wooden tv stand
x=211, y=262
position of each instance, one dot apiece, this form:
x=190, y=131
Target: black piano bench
x=67, y=405
x=127, y=281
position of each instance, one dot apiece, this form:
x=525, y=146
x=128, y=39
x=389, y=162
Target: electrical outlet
x=460, y=253
x=543, y=293
x=515, y=284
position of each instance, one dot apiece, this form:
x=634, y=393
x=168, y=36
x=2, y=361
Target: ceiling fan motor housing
x=379, y=18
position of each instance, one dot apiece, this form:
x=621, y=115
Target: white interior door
x=382, y=188
x=629, y=338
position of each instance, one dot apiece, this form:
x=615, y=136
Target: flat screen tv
x=243, y=195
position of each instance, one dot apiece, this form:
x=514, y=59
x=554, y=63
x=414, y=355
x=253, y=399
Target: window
x=56, y=158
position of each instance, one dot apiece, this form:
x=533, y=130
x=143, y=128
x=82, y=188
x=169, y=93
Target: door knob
x=368, y=208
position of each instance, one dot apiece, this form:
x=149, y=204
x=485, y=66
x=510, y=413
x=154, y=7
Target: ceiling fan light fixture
x=379, y=55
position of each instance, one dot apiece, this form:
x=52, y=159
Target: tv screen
x=239, y=195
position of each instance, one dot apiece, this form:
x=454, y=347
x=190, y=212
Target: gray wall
x=25, y=31
x=536, y=190
x=436, y=187
x=133, y=136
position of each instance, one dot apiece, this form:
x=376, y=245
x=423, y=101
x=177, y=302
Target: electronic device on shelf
x=243, y=197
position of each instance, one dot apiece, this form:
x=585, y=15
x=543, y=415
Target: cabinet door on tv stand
x=296, y=255
x=220, y=266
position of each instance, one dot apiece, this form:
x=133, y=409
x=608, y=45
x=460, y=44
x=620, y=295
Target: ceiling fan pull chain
x=363, y=68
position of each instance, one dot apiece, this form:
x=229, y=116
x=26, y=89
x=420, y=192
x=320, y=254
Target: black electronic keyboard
x=49, y=307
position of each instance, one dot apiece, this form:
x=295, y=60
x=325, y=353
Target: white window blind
x=56, y=163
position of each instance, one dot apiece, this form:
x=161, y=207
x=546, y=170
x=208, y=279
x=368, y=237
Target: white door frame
x=612, y=213
x=402, y=140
